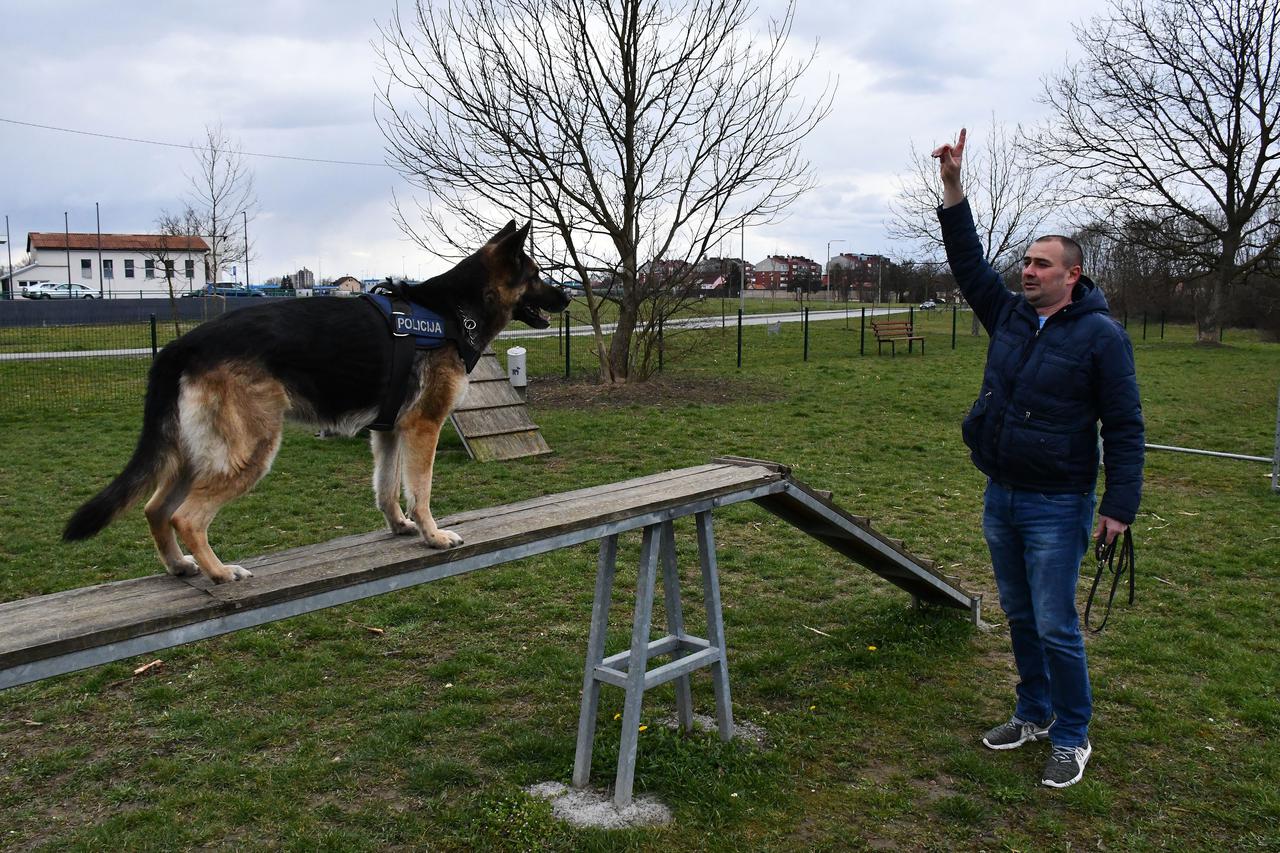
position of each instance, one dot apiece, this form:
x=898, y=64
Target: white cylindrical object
x=515, y=367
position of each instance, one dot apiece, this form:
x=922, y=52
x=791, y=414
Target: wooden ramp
x=492, y=420
x=63, y=632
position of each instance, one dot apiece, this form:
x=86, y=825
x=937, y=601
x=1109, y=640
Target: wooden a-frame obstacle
x=67, y=631
x=492, y=419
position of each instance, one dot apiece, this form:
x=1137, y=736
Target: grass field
x=316, y=733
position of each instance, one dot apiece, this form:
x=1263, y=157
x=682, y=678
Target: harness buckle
x=396, y=324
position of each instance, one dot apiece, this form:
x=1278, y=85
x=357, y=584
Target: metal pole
x=154, y=349
x=8, y=246
x=66, y=238
x=97, y=216
x=1275, y=459
x=955, y=312
x=1242, y=457
x=1162, y=325
x=806, y=334
x=1144, y=325
x=862, y=336
x=566, y=345
x=740, y=341
x=246, y=247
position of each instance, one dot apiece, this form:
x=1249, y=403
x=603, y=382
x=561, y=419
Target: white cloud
x=297, y=78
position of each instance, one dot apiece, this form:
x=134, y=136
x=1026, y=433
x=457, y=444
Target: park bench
x=892, y=331
x=63, y=632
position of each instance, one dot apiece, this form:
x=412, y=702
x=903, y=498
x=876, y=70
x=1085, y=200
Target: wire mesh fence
x=78, y=355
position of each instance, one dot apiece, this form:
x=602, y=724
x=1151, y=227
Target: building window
x=150, y=269
x=86, y=268
x=191, y=269
x=128, y=269
x=168, y=269
x=108, y=268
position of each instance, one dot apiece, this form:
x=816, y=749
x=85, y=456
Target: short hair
x=1071, y=251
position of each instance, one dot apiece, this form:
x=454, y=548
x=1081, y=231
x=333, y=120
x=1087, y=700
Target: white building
x=121, y=266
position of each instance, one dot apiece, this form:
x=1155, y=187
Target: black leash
x=1108, y=562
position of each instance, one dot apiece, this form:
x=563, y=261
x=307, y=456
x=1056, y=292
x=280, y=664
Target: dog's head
x=515, y=284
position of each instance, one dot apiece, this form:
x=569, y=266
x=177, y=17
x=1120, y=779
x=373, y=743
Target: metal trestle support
x=630, y=669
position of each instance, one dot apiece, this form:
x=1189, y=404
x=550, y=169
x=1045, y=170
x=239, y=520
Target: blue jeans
x=1037, y=542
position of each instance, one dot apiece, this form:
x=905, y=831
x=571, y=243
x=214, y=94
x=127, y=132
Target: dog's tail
x=155, y=454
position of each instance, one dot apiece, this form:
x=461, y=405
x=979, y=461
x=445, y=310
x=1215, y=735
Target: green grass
x=315, y=733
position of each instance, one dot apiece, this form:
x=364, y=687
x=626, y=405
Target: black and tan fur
x=217, y=399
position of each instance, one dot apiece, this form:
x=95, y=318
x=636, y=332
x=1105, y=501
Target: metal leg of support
x=630, y=669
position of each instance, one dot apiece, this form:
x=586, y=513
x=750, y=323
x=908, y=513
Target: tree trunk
x=620, y=346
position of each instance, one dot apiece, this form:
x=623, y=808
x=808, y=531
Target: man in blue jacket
x=1057, y=366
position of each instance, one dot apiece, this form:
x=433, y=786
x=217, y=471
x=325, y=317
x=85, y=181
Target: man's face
x=1047, y=281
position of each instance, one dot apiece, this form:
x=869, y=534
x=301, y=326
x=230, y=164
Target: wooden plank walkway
x=66, y=631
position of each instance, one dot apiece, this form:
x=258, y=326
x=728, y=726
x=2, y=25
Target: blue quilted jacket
x=1035, y=423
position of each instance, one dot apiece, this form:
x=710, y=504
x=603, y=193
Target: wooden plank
x=146, y=606
x=508, y=445
x=475, y=421
x=488, y=367
x=350, y=547
x=93, y=617
x=483, y=395
x=396, y=555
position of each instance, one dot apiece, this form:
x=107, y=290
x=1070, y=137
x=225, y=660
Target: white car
x=928, y=305
x=49, y=290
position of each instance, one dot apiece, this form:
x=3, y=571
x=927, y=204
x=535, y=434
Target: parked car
x=224, y=290
x=49, y=290
x=928, y=305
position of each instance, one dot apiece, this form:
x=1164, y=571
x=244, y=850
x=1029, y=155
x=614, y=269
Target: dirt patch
x=660, y=391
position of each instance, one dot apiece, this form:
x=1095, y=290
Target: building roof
x=115, y=242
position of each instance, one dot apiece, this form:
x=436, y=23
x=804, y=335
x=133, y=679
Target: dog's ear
x=512, y=242
x=504, y=231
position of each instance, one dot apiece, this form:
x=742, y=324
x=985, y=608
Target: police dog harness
x=413, y=327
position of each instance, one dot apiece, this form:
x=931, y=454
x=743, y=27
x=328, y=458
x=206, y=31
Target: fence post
x=566, y=345
x=955, y=313
x=560, y=336
x=806, y=334
x=1275, y=457
x=739, y=338
x=154, y=348
x=862, y=333
x=1144, y=325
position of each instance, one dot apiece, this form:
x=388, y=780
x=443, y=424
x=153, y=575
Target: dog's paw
x=235, y=573
x=443, y=539
x=186, y=567
x=404, y=527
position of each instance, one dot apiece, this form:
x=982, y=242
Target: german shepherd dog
x=217, y=398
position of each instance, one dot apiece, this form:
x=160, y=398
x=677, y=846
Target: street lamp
x=829, y=242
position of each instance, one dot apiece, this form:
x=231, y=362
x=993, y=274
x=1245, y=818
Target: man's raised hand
x=949, y=158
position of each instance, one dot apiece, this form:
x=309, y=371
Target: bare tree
x=1009, y=196
x=221, y=195
x=631, y=131
x=178, y=233
x=1169, y=123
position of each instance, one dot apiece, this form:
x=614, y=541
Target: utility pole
x=246, y=247
x=8, y=247
x=66, y=238
x=97, y=218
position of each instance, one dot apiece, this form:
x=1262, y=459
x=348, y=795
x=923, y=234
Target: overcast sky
x=295, y=78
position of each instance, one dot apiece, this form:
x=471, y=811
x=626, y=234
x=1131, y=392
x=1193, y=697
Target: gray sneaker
x=1014, y=734
x=1066, y=765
